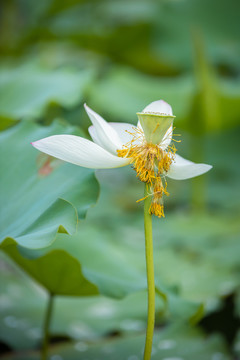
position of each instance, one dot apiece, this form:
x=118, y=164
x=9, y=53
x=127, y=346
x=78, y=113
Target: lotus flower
x=147, y=146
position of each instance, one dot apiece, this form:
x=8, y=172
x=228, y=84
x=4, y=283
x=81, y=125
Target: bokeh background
x=118, y=56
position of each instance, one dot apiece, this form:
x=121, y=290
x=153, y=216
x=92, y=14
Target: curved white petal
x=79, y=151
x=106, y=135
x=139, y=126
x=160, y=107
x=122, y=129
x=182, y=169
x=167, y=138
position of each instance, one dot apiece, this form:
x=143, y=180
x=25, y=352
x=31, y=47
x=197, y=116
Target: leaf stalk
x=46, y=326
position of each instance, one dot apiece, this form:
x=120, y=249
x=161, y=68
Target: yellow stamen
x=157, y=209
x=143, y=198
x=151, y=163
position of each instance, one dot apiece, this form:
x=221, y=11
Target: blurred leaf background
x=118, y=56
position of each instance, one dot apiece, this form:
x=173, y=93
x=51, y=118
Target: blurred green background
x=118, y=56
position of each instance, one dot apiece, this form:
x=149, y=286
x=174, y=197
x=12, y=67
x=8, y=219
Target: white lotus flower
x=146, y=146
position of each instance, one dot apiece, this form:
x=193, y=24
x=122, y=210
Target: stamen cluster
x=151, y=163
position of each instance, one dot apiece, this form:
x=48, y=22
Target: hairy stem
x=150, y=276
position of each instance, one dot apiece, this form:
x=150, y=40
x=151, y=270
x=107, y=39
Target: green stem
x=46, y=325
x=150, y=276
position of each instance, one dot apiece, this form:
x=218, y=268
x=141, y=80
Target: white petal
x=139, y=126
x=160, y=107
x=183, y=169
x=123, y=130
x=167, y=138
x=79, y=151
x=106, y=135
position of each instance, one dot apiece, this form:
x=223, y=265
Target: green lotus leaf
x=81, y=318
x=89, y=319
x=174, y=342
x=118, y=269
x=38, y=192
x=27, y=90
x=57, y=271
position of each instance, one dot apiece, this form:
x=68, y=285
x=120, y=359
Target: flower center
x=151, y=164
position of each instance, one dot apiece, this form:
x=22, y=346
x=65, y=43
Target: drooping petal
x=123, y=130
x=106, y=137
x=79, y=151
x=182, y=169
x=159, y=107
